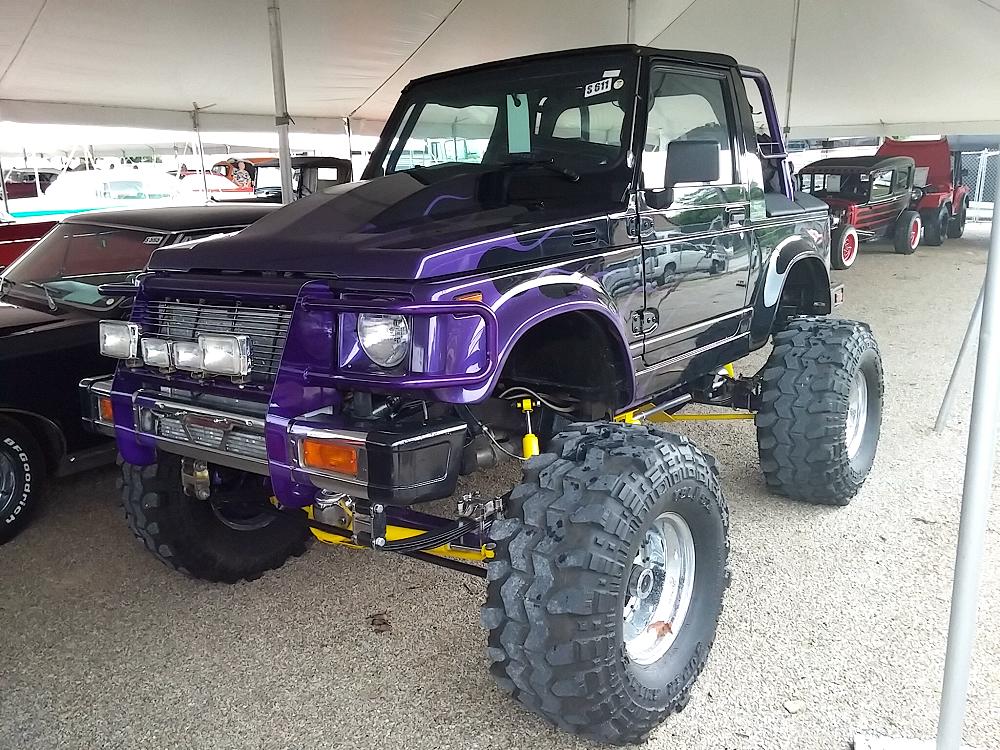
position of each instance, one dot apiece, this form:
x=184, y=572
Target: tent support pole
x=963, y=354
x=792, y=42
x=980, y=457
x=3, y=189
x=201, y=148
x=281, y=118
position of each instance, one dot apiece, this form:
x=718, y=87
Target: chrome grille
x=267, y=328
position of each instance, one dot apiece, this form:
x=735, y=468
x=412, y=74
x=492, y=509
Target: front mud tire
x=188, y=535
x=562, y=577
x=812, y=446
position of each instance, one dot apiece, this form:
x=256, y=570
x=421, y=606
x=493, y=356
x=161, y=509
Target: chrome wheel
x=8, y=480
x=660, y=587
x=857, y=413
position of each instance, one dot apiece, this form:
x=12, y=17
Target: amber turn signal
x=319, y=454
x=470, y=297
x=104, y=409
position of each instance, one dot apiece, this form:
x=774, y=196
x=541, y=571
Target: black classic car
x=50, y=309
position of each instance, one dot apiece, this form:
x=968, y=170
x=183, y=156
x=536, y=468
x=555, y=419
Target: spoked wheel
x=844, y=247
x=606, y=588
x=660, y=587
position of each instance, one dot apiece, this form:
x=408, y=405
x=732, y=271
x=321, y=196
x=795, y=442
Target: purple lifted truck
x=544, y=256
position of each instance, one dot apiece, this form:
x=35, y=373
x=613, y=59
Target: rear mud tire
x=844, y=244
x=803, y=432
x=186, y=534
x=956, y=227
x=907, y=236
x=21, y=470
x=565, y=560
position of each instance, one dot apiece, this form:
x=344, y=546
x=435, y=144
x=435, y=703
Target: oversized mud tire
x=907, y=236
x=956, y=227
x=936, y=227
x=820, y=410
x=578, y=632
x=844, y=247
x=21, y=471
x=190, y=536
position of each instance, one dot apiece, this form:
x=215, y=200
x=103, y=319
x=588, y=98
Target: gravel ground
x=844, y=609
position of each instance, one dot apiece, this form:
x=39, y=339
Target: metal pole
x=792, y=43
x=281, y=118
x=980, y=456
x=3, y=189
x=630, y=21
x=949, y=394
x=201, y=149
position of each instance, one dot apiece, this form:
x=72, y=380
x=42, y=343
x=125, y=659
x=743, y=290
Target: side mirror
x=691, y=161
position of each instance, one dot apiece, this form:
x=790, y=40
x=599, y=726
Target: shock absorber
x=529, y=443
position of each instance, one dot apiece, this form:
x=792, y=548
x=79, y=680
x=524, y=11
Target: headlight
x=156, y=352
x=225, y=355
x=119, y=339
x=384, y=338
x=186, y=355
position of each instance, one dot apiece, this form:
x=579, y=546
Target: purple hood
x=400, y=227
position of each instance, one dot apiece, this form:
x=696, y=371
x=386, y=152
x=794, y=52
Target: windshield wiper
x=534, y=161
x=45, y=290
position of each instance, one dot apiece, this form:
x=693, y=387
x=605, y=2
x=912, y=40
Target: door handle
x=735, y=216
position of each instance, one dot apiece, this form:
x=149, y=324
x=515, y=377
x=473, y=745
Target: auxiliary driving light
x=156, y=352
x=119, y=339
x=225, y=355
x=186, y=355
x=326, y=456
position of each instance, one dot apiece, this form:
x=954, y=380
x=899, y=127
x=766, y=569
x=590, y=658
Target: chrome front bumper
x=396, y=463
x=177, y=426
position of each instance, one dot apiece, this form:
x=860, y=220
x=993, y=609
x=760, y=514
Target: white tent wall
x=861, y=67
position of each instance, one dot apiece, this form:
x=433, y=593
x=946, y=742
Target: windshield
x=847, y=185
x=574, y=113
x=70, y=262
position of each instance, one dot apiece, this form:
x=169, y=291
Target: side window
x=902, y=178
x=685, y=107
x=881, y=184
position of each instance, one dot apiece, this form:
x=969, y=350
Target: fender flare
x=788, y=255
x=587, y=300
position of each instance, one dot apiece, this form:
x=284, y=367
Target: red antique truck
x=939, y=194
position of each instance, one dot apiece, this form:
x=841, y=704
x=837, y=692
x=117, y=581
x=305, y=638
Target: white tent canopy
x=860, y=67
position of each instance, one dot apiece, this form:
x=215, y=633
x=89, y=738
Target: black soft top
x=178, y=218
x=702, y=58
x=857, y=164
